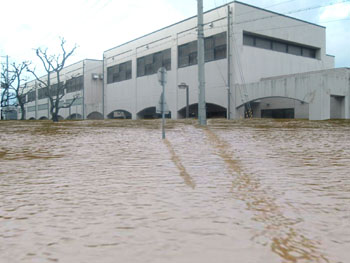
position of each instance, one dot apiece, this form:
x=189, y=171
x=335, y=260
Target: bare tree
x=53, y=65
x=5, y=94
x=14, y=92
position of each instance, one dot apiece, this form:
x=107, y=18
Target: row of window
x=119, y=72
x=215, y=48
x=78, y=101
x=150, y=64
x=278, y=45
x=72, y=85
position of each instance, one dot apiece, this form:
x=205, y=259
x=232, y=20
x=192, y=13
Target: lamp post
x=185, y=86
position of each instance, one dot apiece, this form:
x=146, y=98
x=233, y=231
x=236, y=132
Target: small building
x=83, y=82
x=262, y=44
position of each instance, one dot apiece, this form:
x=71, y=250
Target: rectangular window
x=150, y=64
x=31, y=96
x=54, y=87
x=280, y=47
x=42, y=93
x=295, y=50
x=74, y=84
x=209, y=45
x=43, y=106
x=309, y=53
x=214, y=49
x=141, y=67
x=119, y=72
x=31, y=109
x=262, y=43
x=166, y=59
x=78, y=101
x=250, y=39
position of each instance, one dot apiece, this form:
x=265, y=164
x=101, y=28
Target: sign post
x=162, y=80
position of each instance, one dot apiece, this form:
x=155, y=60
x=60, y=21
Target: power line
x=295, y=11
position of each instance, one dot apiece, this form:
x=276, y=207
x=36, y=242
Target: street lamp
x=185, y=86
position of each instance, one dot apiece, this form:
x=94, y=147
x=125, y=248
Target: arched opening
x=75, y=116
x=32, y=119
x=279, y=108
x=213, y=111
x=150, y=113
x=119, y=114
x=95, y=116
x=43, y=118
x=60, y=118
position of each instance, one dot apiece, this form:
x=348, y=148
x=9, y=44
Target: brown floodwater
x=234, y=191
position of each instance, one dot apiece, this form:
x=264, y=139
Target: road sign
x=162, y=76
x=159, y=106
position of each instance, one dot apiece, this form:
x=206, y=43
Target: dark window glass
x=31, y=96
x=209, y=45
x=166, y=60
x=141, y=67
x=214, y=49
x=263, y=43
x=119, y=72
x=75, y=84
x=42, y=93
x=192, y=58
x=220, y=52
x=150, y=64
x=278, y=46
x=308, y=52
x=248, y=40
x=295, y=50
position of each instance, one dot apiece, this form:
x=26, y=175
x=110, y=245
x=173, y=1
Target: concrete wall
x=327, y=92
x=254, y=63
x=93, y=87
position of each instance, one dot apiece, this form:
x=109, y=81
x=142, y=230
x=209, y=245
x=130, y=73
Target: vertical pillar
x=202, y=114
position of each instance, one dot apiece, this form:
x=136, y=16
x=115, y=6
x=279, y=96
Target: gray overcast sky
x=97, y=25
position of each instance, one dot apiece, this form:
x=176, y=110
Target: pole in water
x=162, y=80
x=202, y=114
x=163, y=114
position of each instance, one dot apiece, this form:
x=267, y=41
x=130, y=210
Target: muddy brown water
x=235, y=191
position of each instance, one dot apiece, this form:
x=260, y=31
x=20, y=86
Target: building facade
x=260, y=44
x=83, y=82
x=253, y=57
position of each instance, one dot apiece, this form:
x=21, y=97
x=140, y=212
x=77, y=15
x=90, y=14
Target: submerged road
x=234, y=191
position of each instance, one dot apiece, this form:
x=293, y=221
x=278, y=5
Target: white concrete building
x=83, y=80
x=263, y=44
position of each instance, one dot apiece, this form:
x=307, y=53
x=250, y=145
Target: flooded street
x=235, y=191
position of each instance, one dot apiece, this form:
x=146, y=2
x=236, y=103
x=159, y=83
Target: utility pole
x=202, y=113
x=229, y=62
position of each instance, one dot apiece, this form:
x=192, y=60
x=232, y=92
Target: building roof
x=236, y=2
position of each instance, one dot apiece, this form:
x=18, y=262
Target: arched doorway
x=95, y=115
x=119, y=114
x=150, y=113
x=279, y=108
x=213, y=111
x=75, y=116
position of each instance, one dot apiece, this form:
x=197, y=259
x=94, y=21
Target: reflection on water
x=235, y=191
